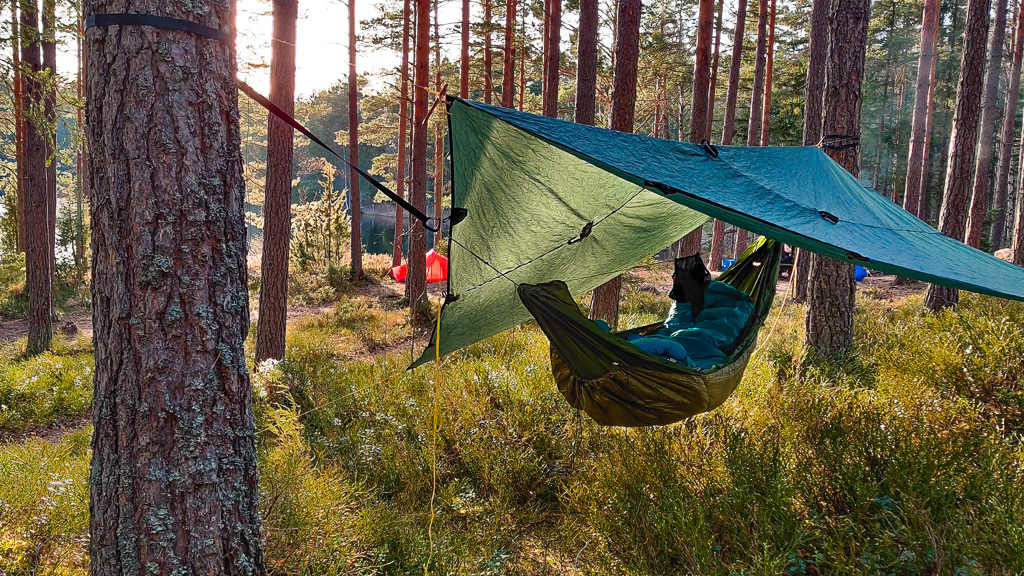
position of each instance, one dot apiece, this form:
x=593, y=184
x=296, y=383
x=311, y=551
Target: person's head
x=690, y=278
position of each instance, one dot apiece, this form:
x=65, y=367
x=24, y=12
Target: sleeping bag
x=707, y=340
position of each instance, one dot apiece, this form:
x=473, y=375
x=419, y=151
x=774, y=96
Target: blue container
x=859, y=273
x=726, y=262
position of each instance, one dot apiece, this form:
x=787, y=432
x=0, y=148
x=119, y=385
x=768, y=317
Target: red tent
x=437, y=269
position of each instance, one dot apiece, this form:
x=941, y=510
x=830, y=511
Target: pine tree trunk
x=586, y=63
x=464, y=59
x=438, y=134
x=49, y=46
x=814, y=91
x=403, y=119
x=80, y=157
x=714, y=68
x=829, y=322
x=552, y=54
x=605, y=301
x=1017, y=244
x=19, y=127
x=38, y=274
x=729, y=118
x=702, y=72
x=1017, y=241
x=770, y=65
x=699, y=128
x=173, y=480
x=508, y=73
x=354, y=201
x=876, y=168
x=756, y=100
x=923, y=94
x=999, y=196
x=955, y=197
x=757, y=92
x=729, y=122
x=277, y=216
x=989, y=118
x=488, y=66
x=924, y=210
x=522, y=56
x=416, y=280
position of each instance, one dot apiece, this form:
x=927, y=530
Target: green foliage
x=900, y=459
x=45, y=390
x=320, y=243
x=70, y=291
x=44, y=507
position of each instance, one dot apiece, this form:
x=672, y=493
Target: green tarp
x=532, y=185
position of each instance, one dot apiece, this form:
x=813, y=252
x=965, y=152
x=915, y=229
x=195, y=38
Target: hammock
x=616, y=383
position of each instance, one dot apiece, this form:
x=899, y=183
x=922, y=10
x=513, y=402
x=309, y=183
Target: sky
x=321, y=48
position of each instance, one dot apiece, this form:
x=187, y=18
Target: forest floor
x=904, y=457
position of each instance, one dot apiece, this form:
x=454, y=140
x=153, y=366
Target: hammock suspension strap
x=167, y=23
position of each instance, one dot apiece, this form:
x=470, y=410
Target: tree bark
x=989, y=118
x=605, y=301
x=814, y=90
x=729, y=122
x=49, y=47
x=354, y=201
x=729, y=119
x=699, y=128
x=438, y=133
x=1017, y=245
x=756, y=100
x=769, y=66
x=953, y=218
x=923, y=96
x=173, y=480
x=552, y=55
x=403, y=116
x=829, y=322
x=464, y=60
x=522, y=58
x=38, y=274
x=277, y=216
x=586, y=63
x=702, y=72
x=1006, y=135
x=488, y=67
x=80, y=178
x=714, y=68
x=416, y=280
x=508, y=72
x=19, y=127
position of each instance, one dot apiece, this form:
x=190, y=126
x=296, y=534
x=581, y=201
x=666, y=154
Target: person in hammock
x=705, y=321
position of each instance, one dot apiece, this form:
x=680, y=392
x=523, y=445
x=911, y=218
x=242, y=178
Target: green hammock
x=616, y=383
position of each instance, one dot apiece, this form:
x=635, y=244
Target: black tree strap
x=101, y=20
x=276, y=111
x=839, y=141
x=165, y=22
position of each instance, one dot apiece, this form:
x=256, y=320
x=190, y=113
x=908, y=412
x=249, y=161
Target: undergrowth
x=903, y=458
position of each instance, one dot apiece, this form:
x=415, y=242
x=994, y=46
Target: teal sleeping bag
x=704, y=342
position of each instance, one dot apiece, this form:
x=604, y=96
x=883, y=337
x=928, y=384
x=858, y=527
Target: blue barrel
x=859, y=273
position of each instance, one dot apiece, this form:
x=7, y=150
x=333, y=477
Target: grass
x=46, y=390
x=903, y=458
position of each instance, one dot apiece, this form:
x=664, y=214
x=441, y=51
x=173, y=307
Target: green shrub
x=45, y=390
